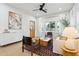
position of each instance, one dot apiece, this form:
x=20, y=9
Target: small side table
x=44, y=41
x=69, y=52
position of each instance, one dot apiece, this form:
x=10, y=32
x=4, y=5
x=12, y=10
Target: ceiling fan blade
x=43, y=4
x=35, y=9
x=44, y=11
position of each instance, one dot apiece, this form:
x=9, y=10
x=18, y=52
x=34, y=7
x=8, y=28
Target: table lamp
x=71, y=33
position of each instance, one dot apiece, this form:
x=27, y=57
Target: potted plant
x=65, y=22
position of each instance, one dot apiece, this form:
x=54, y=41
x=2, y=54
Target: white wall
x=4, y=13
x=77, y=17
x=4, y=19
x=13, y=35
x=74, y=16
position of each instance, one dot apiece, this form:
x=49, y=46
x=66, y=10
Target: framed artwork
x=14, y=21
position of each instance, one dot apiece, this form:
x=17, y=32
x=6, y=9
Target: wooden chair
x=27, y=42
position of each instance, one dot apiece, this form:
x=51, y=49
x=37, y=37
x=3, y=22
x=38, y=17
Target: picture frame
x=14, y=21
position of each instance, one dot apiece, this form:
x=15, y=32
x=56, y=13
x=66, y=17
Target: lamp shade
x=70, y=32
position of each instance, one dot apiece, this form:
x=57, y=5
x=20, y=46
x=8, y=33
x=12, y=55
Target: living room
x=45, y=23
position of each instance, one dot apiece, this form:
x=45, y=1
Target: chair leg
x=22, y=48
x=31, y=50
x=31, y=53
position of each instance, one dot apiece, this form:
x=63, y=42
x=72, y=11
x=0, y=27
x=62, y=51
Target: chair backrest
x=27, y=40
x=49, y=34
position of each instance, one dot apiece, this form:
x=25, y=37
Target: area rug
x=42, y=51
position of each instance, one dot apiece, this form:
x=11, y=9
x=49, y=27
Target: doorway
x=32, y=29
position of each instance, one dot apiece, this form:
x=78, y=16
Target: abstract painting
x=14, y=21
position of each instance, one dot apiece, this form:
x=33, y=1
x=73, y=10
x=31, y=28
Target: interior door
x=32, y=29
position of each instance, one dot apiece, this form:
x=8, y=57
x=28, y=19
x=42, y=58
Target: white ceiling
x=51, y=7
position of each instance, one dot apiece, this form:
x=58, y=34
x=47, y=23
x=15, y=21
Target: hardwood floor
x=14, y=50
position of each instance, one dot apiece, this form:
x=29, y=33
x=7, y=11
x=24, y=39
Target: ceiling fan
x=41, y=8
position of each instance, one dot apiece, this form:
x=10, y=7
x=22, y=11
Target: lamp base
x=69, y=52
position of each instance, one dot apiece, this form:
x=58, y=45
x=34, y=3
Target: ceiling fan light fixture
x=60, y=9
